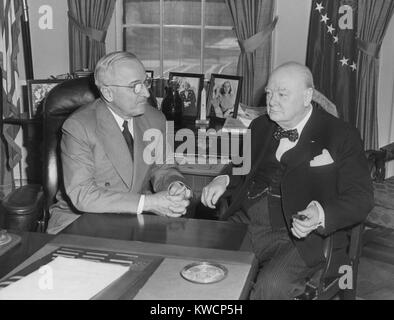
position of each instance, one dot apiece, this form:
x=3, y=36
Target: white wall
x=291, y=33
x=49, y=46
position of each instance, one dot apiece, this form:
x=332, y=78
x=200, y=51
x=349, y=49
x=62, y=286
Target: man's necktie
x=128, y=137
x=292, y=135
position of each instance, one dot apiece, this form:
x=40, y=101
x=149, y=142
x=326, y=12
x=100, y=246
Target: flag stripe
x=10, y=13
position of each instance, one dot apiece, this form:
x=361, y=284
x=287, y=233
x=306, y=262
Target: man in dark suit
x=309, y=179
x=107, y=161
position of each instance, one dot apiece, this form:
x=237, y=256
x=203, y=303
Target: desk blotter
x=140, y=269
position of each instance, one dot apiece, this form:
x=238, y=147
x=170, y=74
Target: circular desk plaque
x=204, y=272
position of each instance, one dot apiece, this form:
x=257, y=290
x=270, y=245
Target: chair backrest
x=61, y=101
x=324, y=103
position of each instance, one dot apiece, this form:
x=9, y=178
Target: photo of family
x=224, y=95
x=189, y=88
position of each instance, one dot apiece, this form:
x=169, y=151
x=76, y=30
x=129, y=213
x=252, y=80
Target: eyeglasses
x=137, y=87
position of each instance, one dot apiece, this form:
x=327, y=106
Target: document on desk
x=64, y=279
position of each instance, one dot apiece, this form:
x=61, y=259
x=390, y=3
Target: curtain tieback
x=92, y=33
x=251, y=44
x=369, y=48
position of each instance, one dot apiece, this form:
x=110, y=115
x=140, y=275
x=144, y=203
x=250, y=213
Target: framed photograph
x=37, y=90
x=223, y=95
x=189, y=87
x=149, y=73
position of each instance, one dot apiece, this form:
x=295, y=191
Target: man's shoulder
x=154, y=117
x=331, y=122
x=86, y=110
x=85, y=114
x=335, y=128
x=153, y=113
x=261, y=122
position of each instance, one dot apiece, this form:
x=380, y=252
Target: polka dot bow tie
x=292, y=135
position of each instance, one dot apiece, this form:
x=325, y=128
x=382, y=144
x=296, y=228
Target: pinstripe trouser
x=282, y=272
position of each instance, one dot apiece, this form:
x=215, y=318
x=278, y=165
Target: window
x=194, y=36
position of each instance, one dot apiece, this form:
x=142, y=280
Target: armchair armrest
x=23, y=208
x=376, y=163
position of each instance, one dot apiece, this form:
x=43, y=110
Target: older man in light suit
x=102, y=151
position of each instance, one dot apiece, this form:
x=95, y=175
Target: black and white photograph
x=189, y=86
x=223, y=96
x=257, y=165
x=37, y=90
x=149, y=73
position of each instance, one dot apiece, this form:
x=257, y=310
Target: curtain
x=88, y=25
x=253, y=27
x=10, y=152
x=374, y=17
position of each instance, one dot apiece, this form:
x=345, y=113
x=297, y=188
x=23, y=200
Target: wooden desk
x=31, y=242
x=174, y=242
x=151, y=228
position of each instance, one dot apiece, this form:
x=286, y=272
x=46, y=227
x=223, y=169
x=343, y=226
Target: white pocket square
x=322, y=159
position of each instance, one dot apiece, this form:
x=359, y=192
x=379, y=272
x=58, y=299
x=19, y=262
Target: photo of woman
x=224, y=101
x=224, y=95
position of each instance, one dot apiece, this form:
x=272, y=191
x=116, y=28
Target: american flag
x=10, y=22
x=332, y=53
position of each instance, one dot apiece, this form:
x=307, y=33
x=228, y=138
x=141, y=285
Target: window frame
x=121, y=26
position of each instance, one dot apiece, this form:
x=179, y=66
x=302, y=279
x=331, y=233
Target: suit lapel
x=267, y=140
x=139, y=126
x=261, y=142
x=114, y=143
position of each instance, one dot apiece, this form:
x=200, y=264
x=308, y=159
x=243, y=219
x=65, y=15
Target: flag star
x=344, y=61
x=336, y=39
x=330, y=29
x=319, y=7
x=324, y=18
x=354, y=66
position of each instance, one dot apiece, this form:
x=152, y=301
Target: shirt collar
x=300, y=126
x=119, y=120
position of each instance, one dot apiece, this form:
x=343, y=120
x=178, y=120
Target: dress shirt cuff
x=322, y=222
x=141, y=204
x=227, y=179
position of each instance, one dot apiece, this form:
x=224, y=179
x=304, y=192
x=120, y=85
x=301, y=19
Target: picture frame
x=37, y=90
x=149, y=73
x=189, y=88
x=223, y=95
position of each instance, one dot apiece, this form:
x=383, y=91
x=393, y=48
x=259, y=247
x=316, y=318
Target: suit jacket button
x=107, y=184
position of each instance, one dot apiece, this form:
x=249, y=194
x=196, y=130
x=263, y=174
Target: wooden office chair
x=325, y=283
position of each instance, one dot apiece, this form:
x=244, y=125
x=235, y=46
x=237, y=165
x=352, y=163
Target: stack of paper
x=64, y=279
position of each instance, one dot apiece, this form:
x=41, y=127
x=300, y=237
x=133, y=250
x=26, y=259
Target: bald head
x=106, y=69
x=289, y=94
x=296, y=71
